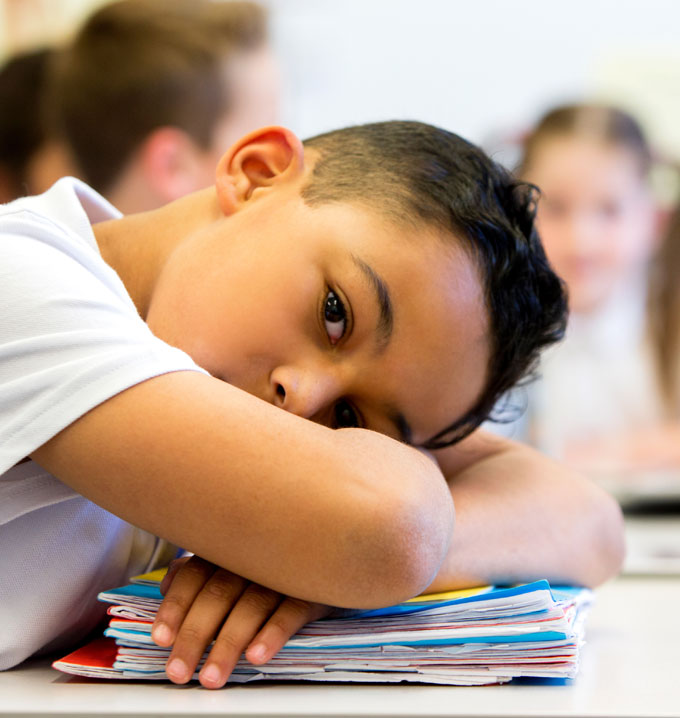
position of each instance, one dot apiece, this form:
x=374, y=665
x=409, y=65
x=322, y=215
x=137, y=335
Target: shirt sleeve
x=70, y=336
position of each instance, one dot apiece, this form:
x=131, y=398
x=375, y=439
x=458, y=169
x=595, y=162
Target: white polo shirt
x=70, y=338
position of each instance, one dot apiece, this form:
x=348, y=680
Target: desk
x=630, y=668
x=652, y=544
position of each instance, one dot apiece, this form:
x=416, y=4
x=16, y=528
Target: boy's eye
x=345, y=416
x=334, y=317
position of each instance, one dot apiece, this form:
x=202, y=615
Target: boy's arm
x=520, y=516
x=345, y=518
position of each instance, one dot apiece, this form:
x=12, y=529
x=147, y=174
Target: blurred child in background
x=607, y=400
x=152, y=92
x=29, y=161
x=664, y=316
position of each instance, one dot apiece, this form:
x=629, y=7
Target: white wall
x=25, y=24
x=479, y=66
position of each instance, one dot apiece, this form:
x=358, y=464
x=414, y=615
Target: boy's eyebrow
x=386, y=320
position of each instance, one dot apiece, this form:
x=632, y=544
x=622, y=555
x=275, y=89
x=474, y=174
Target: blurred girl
x=608, y=397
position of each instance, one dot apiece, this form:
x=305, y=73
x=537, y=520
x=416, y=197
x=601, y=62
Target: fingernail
x=161, y=634
x=257, y=652
x=177, y=670
x=211, y=675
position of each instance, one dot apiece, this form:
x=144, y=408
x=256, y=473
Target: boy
x=384, y=277
x=151, y=93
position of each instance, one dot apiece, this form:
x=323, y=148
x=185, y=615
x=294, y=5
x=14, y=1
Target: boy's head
x=398, y=278
x=420, y=174
x=151, y=92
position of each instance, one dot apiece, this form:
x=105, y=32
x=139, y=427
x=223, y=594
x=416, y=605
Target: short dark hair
x=136, y=65
x=418, y=173
x=22, y=82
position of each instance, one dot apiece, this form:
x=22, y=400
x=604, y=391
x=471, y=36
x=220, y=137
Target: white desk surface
x=630, y=667
x=653, y=545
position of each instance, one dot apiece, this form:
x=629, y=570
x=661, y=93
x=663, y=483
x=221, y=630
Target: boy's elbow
x=410, y=533
x=423, y=540
x=613, y=537
x=608, y=540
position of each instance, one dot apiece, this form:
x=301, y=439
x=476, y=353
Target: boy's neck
x=137, y=246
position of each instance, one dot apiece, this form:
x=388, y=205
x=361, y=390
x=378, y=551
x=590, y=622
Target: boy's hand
x=203, y=602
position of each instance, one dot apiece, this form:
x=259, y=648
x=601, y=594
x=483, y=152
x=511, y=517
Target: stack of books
x=470, y=637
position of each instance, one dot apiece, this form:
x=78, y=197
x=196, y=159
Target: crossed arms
x=339, y=518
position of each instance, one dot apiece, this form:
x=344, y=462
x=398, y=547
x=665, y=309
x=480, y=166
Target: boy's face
x=332, y=313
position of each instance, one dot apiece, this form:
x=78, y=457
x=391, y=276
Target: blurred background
x=482, y=69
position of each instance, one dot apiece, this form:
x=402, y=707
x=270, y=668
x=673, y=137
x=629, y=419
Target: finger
x=189, y=579
x=253, y=609
x=287, y=620
x=173, y=568
x=202, y=622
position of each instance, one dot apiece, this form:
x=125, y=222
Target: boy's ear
x=261, y=161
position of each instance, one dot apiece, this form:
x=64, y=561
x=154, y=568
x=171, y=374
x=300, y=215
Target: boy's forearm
x=521, y=516
x=347, y=518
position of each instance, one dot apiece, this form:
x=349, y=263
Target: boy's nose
x=305, y=392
